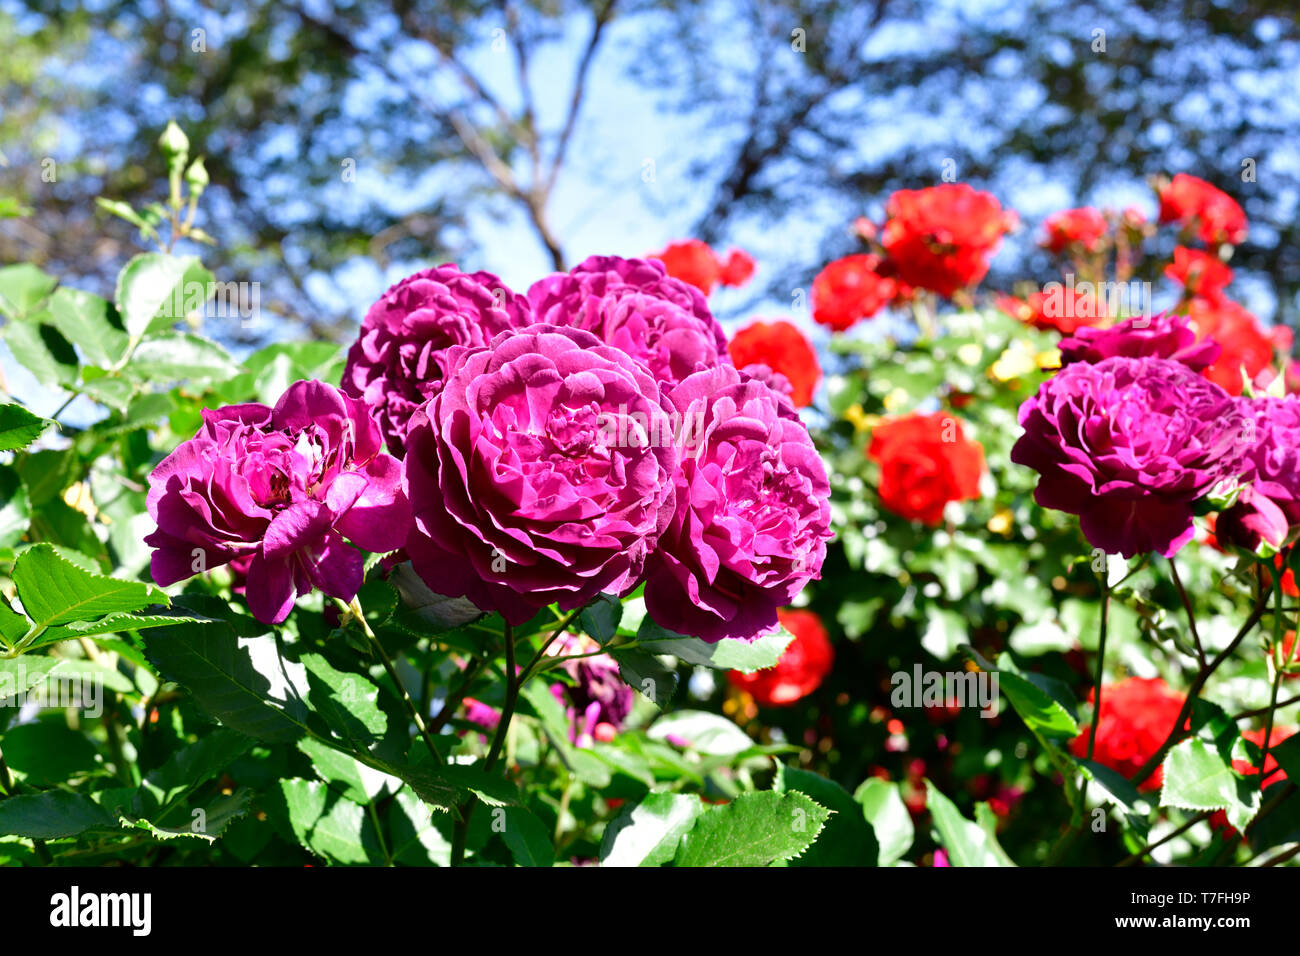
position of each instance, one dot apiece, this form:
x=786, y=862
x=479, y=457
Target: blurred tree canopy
x=813, y=110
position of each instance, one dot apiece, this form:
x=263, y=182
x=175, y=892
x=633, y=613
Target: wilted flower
x=599, y=701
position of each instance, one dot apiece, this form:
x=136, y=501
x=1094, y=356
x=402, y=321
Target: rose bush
x=1010, y=582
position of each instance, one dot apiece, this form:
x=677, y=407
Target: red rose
x=1137, y=714
x=738, y=269
x=925, y=462
x=1201, y=273
x=692, y=261
x=941, y=238
x=781, y=347
x=802, y=667
x=1084, y=227
x=1195, y=203
x=850, y=289
x=1243, y=340
x=1061, y=308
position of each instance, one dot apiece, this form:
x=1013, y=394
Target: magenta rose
x=540, y=473
x=276, y=491
x=599, y=701
x=399, y=359
x=633, y=304
x=1129, y=445
x=753, y=511
x=1165, y=336
x=1269, y=507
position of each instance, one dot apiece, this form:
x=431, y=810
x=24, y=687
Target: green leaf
x=87, y=322
x=205, y=823
x=241, y=681
x=174, y=356
x=527, y=838
x=488, y=787
x=600, y=618
x=414, y=835
x=967, y=843
x=700, y=730
x=1042, y=712
x=112, y=391
x=1197, y=777
x=19, y=427
x=22, y=288
x=1287, y=755
x=152, y=291
x=644, y=672
x=55, y=591
x=726, y=654
x=15, y=508
x=883, y=807
x=119, y=623
x=334, y=829
x=46, y=753
x=649, y=833
x=347, y=775
x=187, y=768
x=849, y=839
x=52, y=815
x=42, y=350
x=754, y=829
x=21, y=674
x=348, y=702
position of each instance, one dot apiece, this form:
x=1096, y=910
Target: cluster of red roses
x=1202, y=213
x=939, y=239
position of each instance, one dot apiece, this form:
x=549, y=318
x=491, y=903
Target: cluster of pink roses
x=589, y=437
x=1130, y=437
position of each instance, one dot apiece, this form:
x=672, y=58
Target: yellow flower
x=1049, y=359
x=969, y=354
x=1014, y=362
x=77, y=497
x=861, y=421
x=1001, y=523
x=897, y=400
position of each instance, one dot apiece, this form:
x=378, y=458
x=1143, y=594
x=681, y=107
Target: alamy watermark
x=216, y=300
x=82, y=691
x=1093, y=300
x=628, y=429
x=921, y=688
